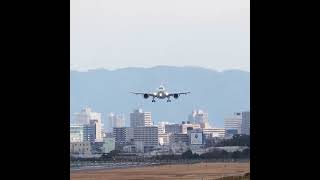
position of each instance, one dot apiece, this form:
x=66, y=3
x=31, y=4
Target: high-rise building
x=139, y=118
x=199, y=117
x=76, y=133
x=98, y=129
x=90, y=120
x=239, y=122
x=90, y=132
x=233, y=123
x=111, y=117
x=245, y=126
x=116, y=121
x=122, y=135
x=119, y=121
x=148, y=135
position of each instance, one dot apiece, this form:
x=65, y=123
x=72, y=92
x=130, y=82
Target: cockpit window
x=161, y=88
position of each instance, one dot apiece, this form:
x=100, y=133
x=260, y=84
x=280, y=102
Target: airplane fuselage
x=161, y=93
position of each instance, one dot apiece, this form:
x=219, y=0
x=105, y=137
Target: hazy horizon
x=115, y=69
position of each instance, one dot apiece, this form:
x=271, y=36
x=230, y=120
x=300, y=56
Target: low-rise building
x=76, y=133
x=173, y=128
x=164, y=139
x=80, y=148
x=108, y=145
x=178, y=148
x=177, y=138
x=148, y=135
x=215, y=132
x=187, y=126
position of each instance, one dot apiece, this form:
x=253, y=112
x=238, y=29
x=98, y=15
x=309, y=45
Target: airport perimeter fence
x=117, y=164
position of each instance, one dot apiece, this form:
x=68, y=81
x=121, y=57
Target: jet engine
x=146, y=96
x=176, y=96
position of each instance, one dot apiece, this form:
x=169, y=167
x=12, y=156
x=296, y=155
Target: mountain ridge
x=155, y=67
x=218, y=93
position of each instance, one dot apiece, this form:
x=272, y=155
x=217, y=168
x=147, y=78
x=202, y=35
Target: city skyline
x=143, y=137
x=126, y=121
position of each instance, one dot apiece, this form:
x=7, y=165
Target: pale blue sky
x=115, y=34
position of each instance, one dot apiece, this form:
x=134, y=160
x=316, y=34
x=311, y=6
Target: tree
x=187, y=154
x=236, y=155
x=224, y=154
x=196, y=156
x=245, y=153
x=237, y=140
x=105, y=156
x=114, y=153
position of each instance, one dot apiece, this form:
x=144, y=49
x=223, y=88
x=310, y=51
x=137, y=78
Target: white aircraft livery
x=161, y=93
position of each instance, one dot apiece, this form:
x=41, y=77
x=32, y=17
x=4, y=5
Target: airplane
x=161, y=93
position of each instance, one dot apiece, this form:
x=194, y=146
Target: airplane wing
x=140, y=93
x=137, y=93
x=172, y=94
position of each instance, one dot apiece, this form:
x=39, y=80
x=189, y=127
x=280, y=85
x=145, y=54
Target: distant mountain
x=218, y=93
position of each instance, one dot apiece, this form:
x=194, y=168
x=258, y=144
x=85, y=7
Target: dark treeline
x=215, y=154
x=237, y=140
x=105, y=157
x=188, y=155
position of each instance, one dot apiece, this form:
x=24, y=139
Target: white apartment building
x=161, y=127
x=163, y=137
x=185, y=127
x=215, y=132
x=240, y=121
x=76, y=133
x=148, y=135
x=233, y=123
